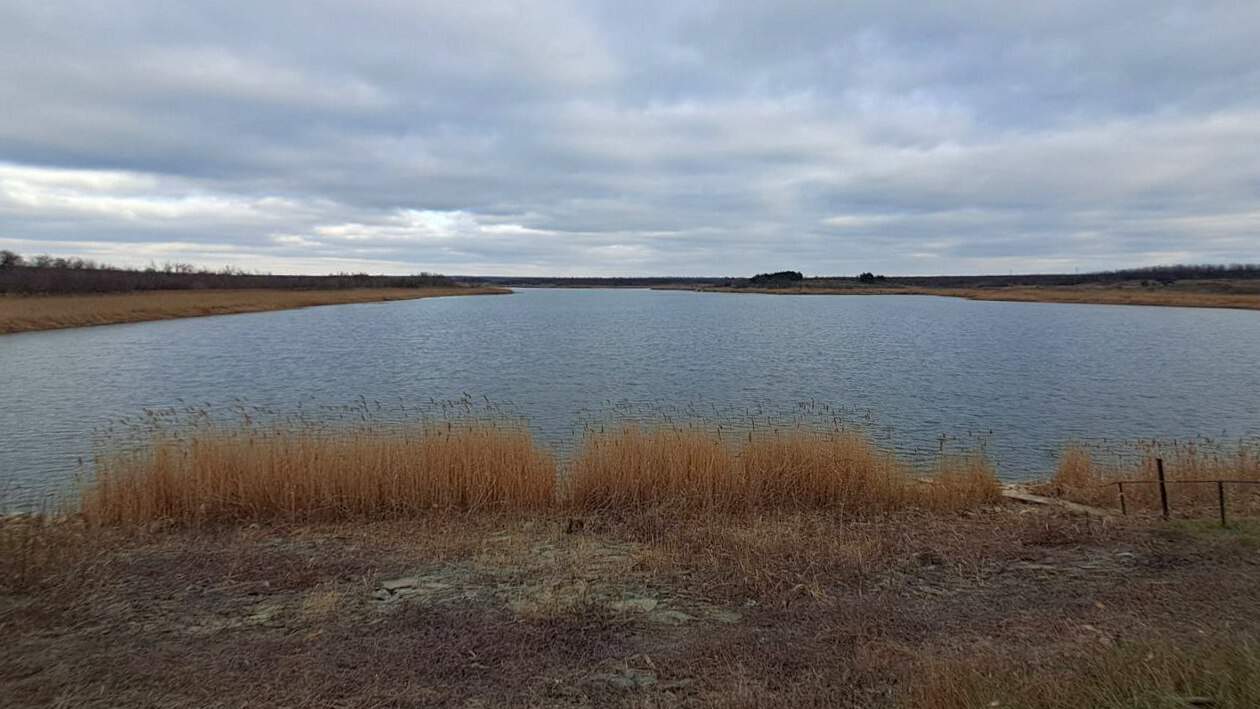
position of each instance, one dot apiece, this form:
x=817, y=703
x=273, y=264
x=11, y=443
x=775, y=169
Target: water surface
x=1019, y=378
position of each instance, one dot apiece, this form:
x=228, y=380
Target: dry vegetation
x=1245, y=297
x=998, y=606
x=633, y=469
x=211, y=475
x=445, y=567
x=27, y=313
x=1086, y=475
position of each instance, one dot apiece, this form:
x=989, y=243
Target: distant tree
x=8, y=259
x=867, y=277
x=776, y=278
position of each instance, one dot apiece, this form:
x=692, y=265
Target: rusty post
x=1163, y=489
x=1220, y=494
x=1123, y=510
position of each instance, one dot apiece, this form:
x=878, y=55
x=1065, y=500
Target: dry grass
x=1084, y=475
x=696, y=471
x=1023, y=606
x=1097, y=295
x=1159, y=674
x=1117, y=296
x=27, y=313
x=251, y=474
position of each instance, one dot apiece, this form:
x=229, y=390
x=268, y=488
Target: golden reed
x=213, y=475
x=253, y=474
x=632, y=469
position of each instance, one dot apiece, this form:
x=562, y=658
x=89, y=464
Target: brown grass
x=1085, y=475
x=252, y=474
x=27, y=313
x=1220, y=672
x=1097, y=295
x=1027, y=607
x=631, y=470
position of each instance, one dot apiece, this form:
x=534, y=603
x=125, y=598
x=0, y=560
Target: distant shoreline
x=1086, y=295
x=54, y=312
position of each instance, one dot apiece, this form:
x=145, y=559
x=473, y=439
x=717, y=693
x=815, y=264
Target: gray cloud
x=632, y=138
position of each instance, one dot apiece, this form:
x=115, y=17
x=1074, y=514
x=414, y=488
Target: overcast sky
x=616, y=138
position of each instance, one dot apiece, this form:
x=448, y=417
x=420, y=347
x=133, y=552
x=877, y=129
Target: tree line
x=47, y=275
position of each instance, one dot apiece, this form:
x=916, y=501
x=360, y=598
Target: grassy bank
x=1187, y=296
x=50, y=312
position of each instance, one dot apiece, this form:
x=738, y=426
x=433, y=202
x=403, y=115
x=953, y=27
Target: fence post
x=1220, y=493
x=1163, y=489
x=1123, y=511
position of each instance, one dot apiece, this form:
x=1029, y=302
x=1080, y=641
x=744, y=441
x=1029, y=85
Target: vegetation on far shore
x=47, y=293
x=48, y=275
x=51, y=312
x=1235, y=286
x=1245, y=296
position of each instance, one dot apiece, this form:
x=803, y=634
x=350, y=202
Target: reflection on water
x=919, y=374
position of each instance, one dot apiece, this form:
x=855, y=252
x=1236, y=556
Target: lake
x=920, y=373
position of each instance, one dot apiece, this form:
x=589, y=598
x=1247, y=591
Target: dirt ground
x=778, y=610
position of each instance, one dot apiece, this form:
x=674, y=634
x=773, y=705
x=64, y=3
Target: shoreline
x=57, y=312
x=1079, y=296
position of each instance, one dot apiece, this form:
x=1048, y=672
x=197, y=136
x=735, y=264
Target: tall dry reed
x=210, y=475
x=251, y=474
x=689, y=470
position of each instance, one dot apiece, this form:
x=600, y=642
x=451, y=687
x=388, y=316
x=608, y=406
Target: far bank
x=1185, y=297
x=51, y=312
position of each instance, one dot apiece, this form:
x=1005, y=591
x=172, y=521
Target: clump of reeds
x=1087, y=475
x=249, y=474
x=693, y=470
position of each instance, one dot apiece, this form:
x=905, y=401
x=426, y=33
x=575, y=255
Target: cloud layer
x=577, y=138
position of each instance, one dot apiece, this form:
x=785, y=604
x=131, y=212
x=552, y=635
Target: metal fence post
x=1123, y=510
x=1163, y=489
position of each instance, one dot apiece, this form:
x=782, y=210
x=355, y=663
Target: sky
x=632, y=138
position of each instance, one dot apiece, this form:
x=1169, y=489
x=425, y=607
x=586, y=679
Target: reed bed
x=632, y=469
x=251, y=474
x=1085, y=474
x=212, y=473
